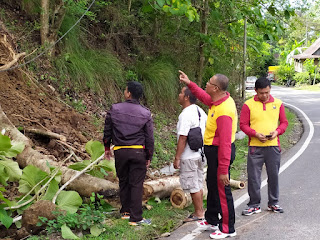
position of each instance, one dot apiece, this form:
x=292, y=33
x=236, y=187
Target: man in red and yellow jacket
x=263, y=119
x=219, y=149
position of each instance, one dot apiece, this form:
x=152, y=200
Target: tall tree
x=51, y=23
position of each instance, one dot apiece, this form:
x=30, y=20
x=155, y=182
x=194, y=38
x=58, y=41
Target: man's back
x=129, y=123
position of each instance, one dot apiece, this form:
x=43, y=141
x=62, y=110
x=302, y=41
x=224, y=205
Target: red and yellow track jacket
x=221, y=124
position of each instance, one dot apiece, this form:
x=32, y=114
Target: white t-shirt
x=189, y=118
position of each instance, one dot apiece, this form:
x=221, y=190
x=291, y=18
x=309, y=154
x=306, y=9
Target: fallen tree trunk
x=160, y=188
x=84, y=184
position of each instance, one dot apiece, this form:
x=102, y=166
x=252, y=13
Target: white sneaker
x=204, y=225
x=219, y=235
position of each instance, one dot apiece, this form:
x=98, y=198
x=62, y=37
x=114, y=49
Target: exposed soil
x=28, y=105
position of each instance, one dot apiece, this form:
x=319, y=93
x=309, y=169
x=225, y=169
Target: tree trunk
x=56, y=21
x=50, y=25
x=160, y=188
x=85, y=185
x=204, y=31
x=244, y=59
x=44, y=21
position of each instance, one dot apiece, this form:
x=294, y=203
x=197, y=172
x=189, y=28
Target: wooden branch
x=75, y=176
x=74, y=149
x=47, y=134
x=14, y=61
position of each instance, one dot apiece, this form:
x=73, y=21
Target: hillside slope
x=28, y=105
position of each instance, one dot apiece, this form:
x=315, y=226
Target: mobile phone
x=268, y=136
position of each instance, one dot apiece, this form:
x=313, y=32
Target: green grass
x=239, y=165
x=314, y=88
x=81, y=68
x=165, y=140
x=164, y=217
x=285, y=138
x=161, y=84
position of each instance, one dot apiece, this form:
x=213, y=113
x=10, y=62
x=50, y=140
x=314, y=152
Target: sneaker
x=140, y=223
x=218, y=235
x=125, y=215
x=275, y=208
x=204, y=225
x=251, y=210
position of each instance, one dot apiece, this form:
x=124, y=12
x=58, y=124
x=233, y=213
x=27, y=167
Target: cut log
x=85, y=185
x=181, y=199
x=237, y=184
x=160, y=188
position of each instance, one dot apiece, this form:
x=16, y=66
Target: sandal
x=192, y=218
x=125, y=215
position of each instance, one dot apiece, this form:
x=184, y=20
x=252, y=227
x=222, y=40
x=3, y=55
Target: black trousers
x=219, y=199
x=131, y=171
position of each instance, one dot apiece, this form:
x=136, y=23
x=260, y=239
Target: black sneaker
x=275, y=208
x=251, y=210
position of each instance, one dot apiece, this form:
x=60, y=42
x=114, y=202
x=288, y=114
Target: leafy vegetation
x=36, y=184
x=95, y=149
x=90, y=216
x=165, y=140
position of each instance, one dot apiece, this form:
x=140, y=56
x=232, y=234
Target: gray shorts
x=191, y=175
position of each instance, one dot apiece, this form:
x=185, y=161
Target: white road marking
x=245, y=197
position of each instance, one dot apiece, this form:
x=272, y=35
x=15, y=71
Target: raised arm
x=196, y=90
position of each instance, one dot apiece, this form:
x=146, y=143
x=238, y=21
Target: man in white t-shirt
x=188, y=161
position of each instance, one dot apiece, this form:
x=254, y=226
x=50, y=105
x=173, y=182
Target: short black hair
x=223, y=81
x=136, y=89
x=262, y=82
x=188, y=93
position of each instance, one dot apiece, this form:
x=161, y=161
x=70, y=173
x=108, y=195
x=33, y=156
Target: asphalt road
x=299, y=184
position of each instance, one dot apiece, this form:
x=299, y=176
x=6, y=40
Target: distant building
x=313, y=52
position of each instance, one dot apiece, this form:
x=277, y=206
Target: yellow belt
x=132, y=146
